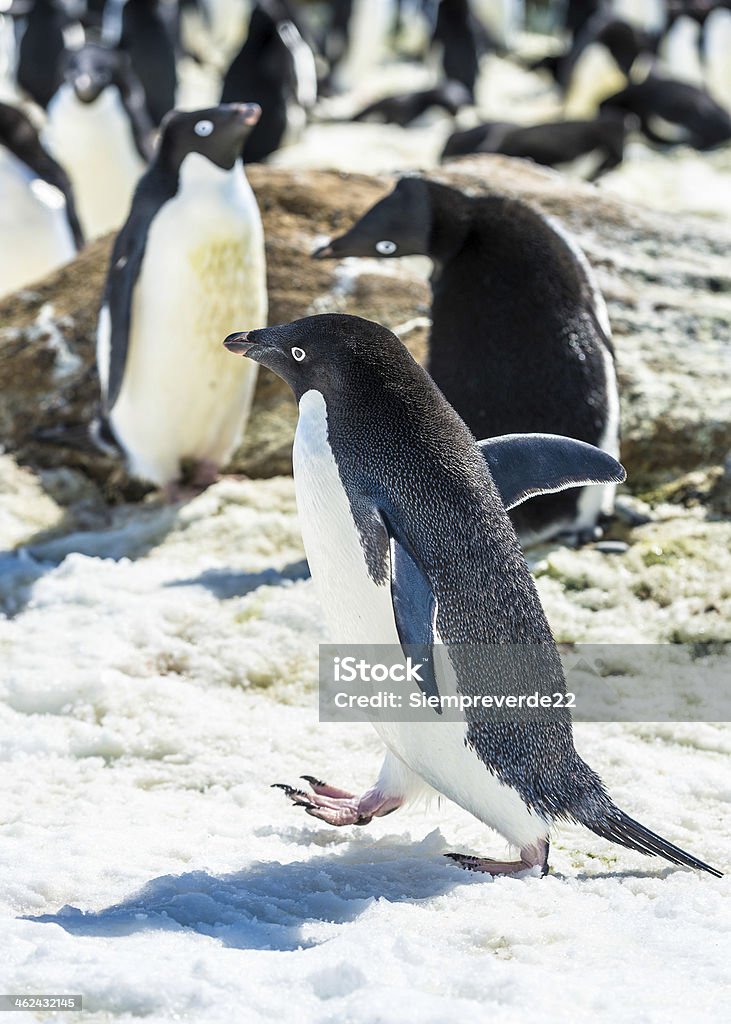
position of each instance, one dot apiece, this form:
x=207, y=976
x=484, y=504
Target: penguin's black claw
x=315, y=783
x=292, y=792
x=486, y=866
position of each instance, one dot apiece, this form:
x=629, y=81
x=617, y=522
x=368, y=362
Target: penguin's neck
x=198, y=173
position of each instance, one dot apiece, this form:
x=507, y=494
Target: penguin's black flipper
x=414, y=609
x=124, y=268
x=618, y=827
x=524, y=465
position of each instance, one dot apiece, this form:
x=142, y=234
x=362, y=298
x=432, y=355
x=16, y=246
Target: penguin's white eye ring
x=203, y=128
x=386, y=247
x=298, y=353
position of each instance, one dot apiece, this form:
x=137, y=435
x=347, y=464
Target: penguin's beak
x=325, y=252
x=239, y=343
x=248, y=112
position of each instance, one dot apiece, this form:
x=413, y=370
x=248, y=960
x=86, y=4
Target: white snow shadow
x=271, y=906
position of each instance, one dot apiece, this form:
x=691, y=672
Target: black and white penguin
x=716, y=43
x=276, y=69
x=188, y=264
x=600, y=60
x=98, y=129
x=43, y=39
x=39, y=229
x=404, y=525
x=673, y=112
x=149, y=38
x=520, y=337
x=404, y=108
x=554, y=144
x=456, y=34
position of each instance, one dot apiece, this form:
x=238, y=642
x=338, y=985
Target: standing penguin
x=276, y=69
x=187, y=265
x=520, y=336
x=41, y=49
x=403, y=520
x=39, y=229
x=456, y=33
x=148, y=39
x=99, y=130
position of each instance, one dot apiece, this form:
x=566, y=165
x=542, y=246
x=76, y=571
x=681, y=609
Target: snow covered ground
x=160, y=674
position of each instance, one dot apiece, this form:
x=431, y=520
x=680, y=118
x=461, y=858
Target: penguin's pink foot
x=204, y=474
x=337, y=806
x=530, y=857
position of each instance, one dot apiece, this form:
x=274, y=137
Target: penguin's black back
x=262, y=72
x=515, y=343
x=40, y=51
x=147, y=39
x=455, y=30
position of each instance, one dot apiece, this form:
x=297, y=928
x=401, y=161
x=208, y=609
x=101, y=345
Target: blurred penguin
x=213, y=31
x=39, y=229
x=186, y=269
x=583, y=148
x=98, y=129
x=717, y=55
x=648, y=15
x=358, y=39
x=276, y=69
x=456, y=36
x=503, y=19
x=46, y=32
x=679, y=51
x=600, y=62
x=147, y=35
x=671, y=112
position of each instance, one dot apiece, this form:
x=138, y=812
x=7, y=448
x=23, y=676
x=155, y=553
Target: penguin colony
x=513, y=427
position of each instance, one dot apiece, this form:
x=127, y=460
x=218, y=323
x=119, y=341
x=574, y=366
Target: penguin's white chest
x=359, y=611
x=35, y=237
x=203, y=276
x=95, y=144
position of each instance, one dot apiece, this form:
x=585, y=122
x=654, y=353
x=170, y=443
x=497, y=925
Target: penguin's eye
x=298, y=354
x=203, y=128
x=386, y=247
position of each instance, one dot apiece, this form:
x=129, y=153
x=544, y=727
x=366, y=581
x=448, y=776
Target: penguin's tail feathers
x=618, y=827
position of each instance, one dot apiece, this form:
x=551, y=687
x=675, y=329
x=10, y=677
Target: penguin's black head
x=325, y=353
x=91, y=69
x=217, y=133
x=399, y=225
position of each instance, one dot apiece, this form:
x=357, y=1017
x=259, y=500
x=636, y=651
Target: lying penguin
x=403, y=108
x=554, y=144
x=99, y=130
x=186, y=267
x=673, y=112
x=39, y=228
x=404, y=524
x=520, y=336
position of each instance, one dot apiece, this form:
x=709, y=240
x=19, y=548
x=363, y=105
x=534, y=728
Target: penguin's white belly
x=717, y=37
x=359, y=611
x=203, y=276
x=646, y=14
x=35, y=236
x=680, y=53
x=94, y=143
x=595, y=77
